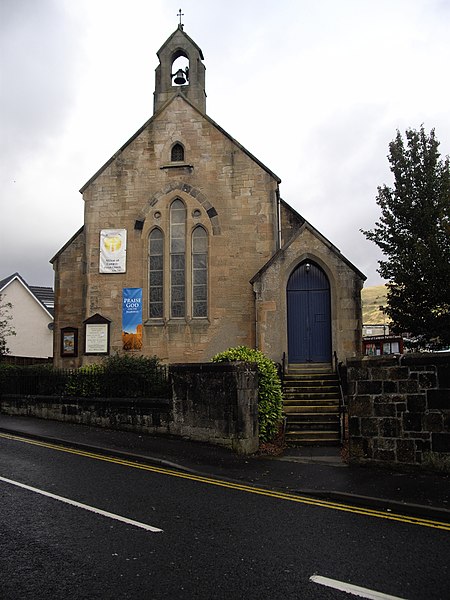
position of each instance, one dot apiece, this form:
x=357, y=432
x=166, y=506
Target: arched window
x=199, y=272
x=156, y=278
x=177, y=259
x=177, y=153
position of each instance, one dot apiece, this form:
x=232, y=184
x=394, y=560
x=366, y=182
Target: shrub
x=130, y=363
x=85, y=382
x=270, y=396
x=6, y=372
x=136, y=376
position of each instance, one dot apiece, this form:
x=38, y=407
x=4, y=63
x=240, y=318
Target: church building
x=187, y=247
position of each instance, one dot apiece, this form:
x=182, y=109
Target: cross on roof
x=180, y=14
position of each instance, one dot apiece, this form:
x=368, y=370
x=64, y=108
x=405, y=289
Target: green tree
x=6, y=329
x=414, y=234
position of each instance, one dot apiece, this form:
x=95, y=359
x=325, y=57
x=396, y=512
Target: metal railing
x=83, y=384
x=342, y=405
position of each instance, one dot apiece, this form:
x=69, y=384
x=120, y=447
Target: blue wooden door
x=309, y=318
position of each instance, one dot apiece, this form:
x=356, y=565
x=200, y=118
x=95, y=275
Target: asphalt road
x=217, y=540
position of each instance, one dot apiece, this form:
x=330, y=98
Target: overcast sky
x=316, y=89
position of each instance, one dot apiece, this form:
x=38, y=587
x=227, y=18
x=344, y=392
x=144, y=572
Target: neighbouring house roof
x=45, y=295
x=42, y=294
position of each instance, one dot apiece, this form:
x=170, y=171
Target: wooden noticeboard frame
x=69, y=341
x=96, y=335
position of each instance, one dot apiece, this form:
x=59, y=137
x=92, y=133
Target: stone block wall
x=399, y=410
x=218, y=403
x=215, y=403
x=139, y=416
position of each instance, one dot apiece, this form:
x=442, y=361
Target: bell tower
x=171, y=80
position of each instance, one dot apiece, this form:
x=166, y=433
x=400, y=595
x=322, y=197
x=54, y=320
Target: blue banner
x=132, y=318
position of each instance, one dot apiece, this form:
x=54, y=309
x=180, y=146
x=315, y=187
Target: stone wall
x=152, y=416
x=70, y=295
x=215, y=403
x=399, y=410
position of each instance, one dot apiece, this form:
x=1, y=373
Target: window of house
x=199, y=272
x=177, y=153
x=156, y=279
x=177, y=259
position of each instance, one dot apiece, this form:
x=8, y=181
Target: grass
x=373, y=298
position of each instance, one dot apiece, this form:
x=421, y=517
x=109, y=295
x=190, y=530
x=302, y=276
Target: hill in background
x=373, y=298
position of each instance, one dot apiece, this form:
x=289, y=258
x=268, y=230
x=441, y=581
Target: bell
x=180, y=78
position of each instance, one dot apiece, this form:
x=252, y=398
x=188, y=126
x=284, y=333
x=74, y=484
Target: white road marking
x=352, y=589
x=97, y=511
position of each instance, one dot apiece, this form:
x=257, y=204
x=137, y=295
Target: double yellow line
x=236, y=486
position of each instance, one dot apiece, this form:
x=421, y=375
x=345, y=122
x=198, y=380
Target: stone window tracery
x=178, y=254
x=156, y=274
x=177, y=259
x=199, y=272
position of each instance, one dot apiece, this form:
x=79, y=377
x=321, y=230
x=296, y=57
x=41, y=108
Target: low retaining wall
x=141, y=416
x=215, y=403
x=399, y=410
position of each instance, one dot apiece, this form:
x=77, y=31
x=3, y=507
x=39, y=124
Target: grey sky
x=314, y=89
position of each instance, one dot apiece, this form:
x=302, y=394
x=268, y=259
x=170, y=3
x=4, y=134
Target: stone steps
x=311, y=405
x=312, y=438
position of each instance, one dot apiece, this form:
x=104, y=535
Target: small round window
x=196, y=213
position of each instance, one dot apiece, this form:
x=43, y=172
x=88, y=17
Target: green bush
x=130, y=363
x=86, y=382
x=6, y=371
x=136, y=376
x=270, y=396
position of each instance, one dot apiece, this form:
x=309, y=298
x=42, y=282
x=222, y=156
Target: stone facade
x=399, y=410
x=345, y=287
x=254, y=240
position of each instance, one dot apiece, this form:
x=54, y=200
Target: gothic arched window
x=199, y=272
x=177, y=259
x=156, y=273
x=177, y=153
x=178, y=271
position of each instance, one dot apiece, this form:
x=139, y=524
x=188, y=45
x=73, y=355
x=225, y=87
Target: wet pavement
x=314, y=471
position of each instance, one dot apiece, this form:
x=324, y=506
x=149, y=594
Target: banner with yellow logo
x=113, y=251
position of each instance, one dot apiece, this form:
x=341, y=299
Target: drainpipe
x=277, y=192
x=255, y=296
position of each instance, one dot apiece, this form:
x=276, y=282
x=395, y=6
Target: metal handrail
x=342, y=407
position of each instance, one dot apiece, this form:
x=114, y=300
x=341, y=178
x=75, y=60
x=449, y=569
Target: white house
x=32, y=317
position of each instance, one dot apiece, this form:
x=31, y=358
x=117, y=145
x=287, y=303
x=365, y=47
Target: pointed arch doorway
x=309, y=315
